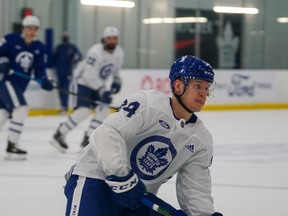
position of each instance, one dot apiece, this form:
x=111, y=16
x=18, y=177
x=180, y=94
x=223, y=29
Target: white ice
x=249, y=170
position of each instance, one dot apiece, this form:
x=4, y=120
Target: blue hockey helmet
x=190, y=67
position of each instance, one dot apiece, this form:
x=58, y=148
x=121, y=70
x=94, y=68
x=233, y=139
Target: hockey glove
x=106, y=97
x=153, y=198
x=127, y=190
x=115, y=88
x=47, y=85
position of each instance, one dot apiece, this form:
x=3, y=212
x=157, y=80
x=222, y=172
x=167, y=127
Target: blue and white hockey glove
x=153, y=198
x=115, y=87
x=47, y=85
x=127, y=190
x=106, y=97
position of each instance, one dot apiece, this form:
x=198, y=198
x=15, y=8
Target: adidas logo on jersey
x=190, y=147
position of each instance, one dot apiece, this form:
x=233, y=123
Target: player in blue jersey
x=66, y=55
x=137, y=149
x=26, y=55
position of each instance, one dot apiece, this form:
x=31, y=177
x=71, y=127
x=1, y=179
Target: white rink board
x=233, y=87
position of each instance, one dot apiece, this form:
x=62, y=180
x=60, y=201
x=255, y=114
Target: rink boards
x=235, y=89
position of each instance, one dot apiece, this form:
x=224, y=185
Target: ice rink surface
x=249, y=170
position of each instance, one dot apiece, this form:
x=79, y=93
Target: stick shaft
x=64, y=90
x=155, y=207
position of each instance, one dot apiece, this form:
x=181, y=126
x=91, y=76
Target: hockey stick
x=63, y=90
x=155, y=207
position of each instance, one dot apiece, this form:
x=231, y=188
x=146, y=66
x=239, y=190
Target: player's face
x=195, y=95
x=111, y=42
x=30, y=32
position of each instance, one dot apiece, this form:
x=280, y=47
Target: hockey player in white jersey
x=137, y=149
x=102, y=61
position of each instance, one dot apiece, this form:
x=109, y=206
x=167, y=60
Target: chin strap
x=179, y=99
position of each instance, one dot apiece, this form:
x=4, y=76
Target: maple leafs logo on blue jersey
x=25, y=60
x=153, y=159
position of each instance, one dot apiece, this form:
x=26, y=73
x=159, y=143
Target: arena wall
x=235, y=89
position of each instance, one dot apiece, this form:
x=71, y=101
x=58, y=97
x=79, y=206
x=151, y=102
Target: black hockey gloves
x=127, y=190
x=47, y=85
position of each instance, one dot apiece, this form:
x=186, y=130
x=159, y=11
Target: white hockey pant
x=101, y=113
x=74, y=119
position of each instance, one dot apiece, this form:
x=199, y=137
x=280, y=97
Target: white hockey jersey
x=145, y=136
x=99, y=65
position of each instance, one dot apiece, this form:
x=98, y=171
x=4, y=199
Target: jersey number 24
x=130, y=108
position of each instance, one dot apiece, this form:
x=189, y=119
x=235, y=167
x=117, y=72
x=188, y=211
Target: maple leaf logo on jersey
x=152, y=156
x=153, y=159
x=106, y=70
x=25, y=60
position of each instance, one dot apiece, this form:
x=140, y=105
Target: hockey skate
x=58, y=142
x=14, y=153
x=85, y=140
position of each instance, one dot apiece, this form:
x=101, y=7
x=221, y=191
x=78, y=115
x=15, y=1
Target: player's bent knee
x=20, y=113
x=80, y=114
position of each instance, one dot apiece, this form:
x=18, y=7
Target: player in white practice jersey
x=102, y=61
x=137, y=149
